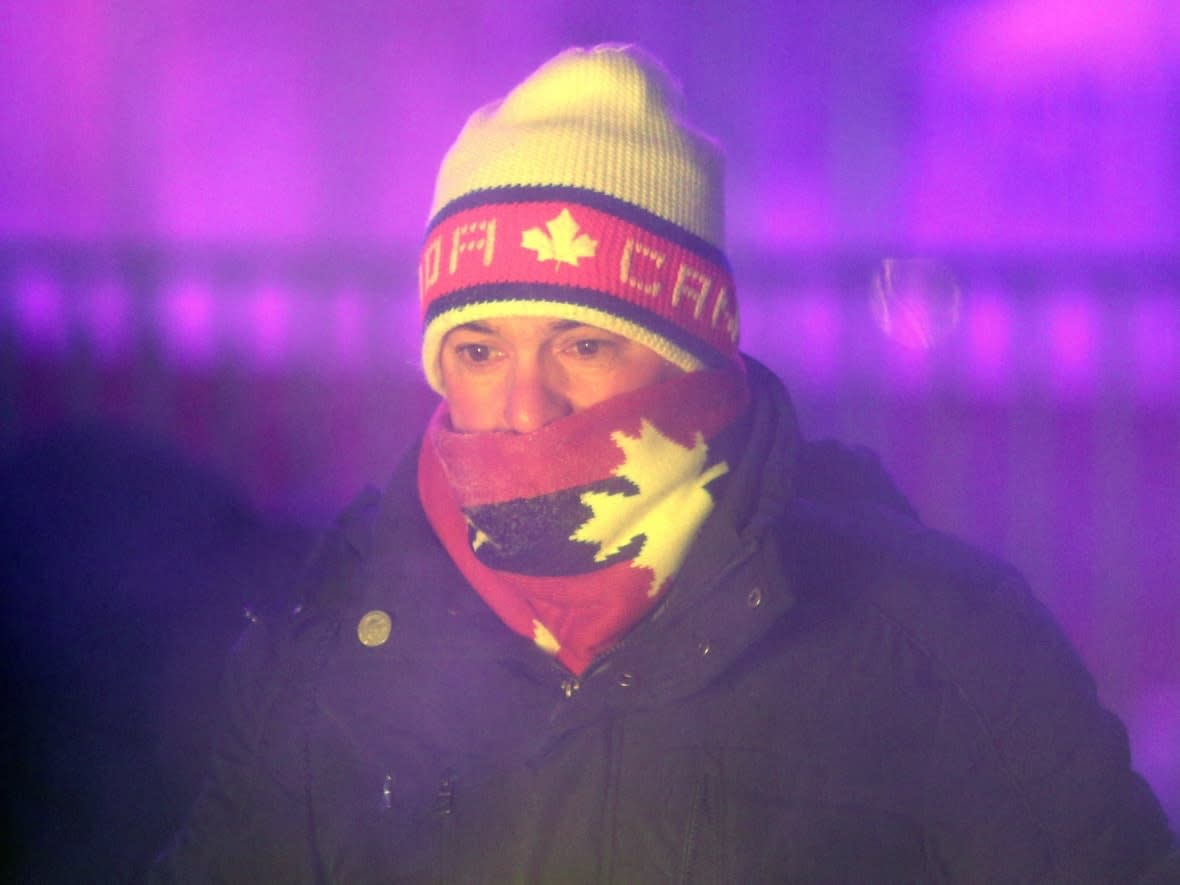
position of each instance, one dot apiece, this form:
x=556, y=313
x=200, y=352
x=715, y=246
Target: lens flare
x=915, y=301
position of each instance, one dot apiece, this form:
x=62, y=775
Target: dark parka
x=831, y=693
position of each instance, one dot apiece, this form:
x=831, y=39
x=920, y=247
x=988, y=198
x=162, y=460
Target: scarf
x=572, y=533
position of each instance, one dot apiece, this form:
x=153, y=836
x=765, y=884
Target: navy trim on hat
x=595, y=200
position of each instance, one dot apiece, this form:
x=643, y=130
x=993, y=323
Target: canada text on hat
x=581, y=195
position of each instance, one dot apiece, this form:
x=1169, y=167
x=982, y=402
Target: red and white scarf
x=572, y=533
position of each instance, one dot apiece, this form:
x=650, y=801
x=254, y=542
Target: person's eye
x=474, y=353
x=590, y=348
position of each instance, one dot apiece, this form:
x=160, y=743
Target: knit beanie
x=582, y=195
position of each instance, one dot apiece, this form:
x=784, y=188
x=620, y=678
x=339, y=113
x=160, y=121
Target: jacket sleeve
x=1032, y=780
x=250, y=822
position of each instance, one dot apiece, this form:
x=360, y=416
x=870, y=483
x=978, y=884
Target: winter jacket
x=831, y=693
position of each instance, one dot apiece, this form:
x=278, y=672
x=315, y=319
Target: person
x=614, y=620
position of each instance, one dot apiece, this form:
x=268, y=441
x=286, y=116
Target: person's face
x=520, y=373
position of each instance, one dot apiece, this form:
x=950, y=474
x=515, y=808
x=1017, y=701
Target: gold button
x=373, y=628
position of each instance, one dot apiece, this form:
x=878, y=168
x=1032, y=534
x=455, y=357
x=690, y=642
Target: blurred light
x=349, y=344
x=107, y=312
x=401, y=325
x=909, y=371
x=41, y=322
x=269, y=328
x=818, y=322
x=988, y=334
x=1155, y=345
x=1072, y=327
x=187, y=319
x=915, y=301
x=1014, y=40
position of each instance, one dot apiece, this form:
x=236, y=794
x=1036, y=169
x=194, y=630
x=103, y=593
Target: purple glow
x=269, y=328
x=107, y=311
x=398, y=318
x=41, y=315
x=1154, y=726
x=1072, y=338
x=1018, y=40
x=349, y=342
x=817, y=319
x=1047, y=123
x=909, y=369
x=782, y=211
x=988, y=339
x=238, y=155
x=55, y=132
x=1029, y=122
x=1155, y=345
x=187, y=319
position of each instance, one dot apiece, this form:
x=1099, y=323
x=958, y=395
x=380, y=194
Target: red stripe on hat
x=570, y=244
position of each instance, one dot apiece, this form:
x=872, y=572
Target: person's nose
x=534, y=397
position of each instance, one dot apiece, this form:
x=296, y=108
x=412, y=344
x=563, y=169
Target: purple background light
x=266, y=330
x=108, y=321
x=1154, y=342
x=210, y=212
x=188, y=320
x=349, y=326
x=816, y=337
x=987, y=327
x=40, y=313
x=1072, y=345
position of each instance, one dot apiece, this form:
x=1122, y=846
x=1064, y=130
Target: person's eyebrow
x=474, y=326
x=564, y=325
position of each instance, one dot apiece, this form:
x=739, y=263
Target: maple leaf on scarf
x=563, y=244
x=671, y=494
x=545, y=640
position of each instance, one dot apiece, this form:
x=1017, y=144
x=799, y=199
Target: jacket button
x=373, y=628
x=704, y=647
x=754, y=597
x=625, y=680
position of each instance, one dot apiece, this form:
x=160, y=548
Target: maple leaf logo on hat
x=563, y=244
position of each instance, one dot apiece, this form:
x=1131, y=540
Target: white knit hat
x=582, y=195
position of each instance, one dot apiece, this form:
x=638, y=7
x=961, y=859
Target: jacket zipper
x=689, y=855
x=444, y=812
x=571, y=685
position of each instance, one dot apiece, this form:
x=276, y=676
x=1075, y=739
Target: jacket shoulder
x=1015, y=704
x=950, y=600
